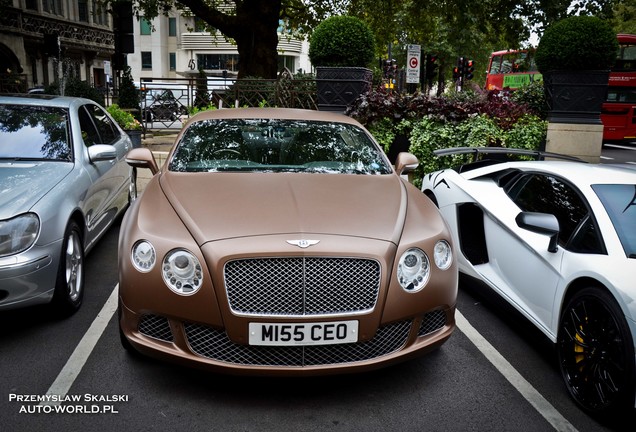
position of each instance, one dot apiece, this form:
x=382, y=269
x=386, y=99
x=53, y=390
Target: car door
x=520, y=260
x=109, y=178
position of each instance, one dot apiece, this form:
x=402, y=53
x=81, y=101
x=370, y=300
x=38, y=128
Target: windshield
x=620, y=202
x=277, y=145
x=34, y=133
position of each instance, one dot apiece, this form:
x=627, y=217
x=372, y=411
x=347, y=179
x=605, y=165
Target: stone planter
x=338, y=87
x=135, y=137
x=575, y=96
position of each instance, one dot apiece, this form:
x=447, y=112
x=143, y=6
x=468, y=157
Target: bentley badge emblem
x=303, y=243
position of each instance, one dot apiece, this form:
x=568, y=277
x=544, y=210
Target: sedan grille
x=214, y=344
x=302, y=286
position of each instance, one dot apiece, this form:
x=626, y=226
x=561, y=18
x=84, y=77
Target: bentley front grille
x=300, y=286
x=214, y=344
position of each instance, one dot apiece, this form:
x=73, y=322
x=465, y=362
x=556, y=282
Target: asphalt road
x=496, y=373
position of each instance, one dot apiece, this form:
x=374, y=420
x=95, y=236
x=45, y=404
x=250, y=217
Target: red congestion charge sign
x=413, y=67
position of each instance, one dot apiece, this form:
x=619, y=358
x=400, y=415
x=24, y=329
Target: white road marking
x=83, y=350
x=526, y=389
x=620, y=146
x=77, y=360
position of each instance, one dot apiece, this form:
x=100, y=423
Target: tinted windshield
x=277, y=145
x=34, y=133
x=620, y=203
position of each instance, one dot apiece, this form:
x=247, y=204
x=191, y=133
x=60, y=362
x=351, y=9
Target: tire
x=69, y=286
x=596, y=353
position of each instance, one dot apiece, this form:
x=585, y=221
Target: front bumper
x=27, y=280
x=209, y=347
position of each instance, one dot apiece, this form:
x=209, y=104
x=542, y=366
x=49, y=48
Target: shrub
x=129, y=94
x=78, y=88
x=577, y=43
x=123, y=118
x=532, y=96
x=342, y=41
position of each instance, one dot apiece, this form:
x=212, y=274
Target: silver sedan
x=63, y=181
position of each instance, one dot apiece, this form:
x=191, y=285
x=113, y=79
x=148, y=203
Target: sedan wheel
x=69, y=287
x=596, y=352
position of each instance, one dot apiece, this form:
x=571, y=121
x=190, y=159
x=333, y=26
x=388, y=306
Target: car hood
x=215, y=206
x=22, y=184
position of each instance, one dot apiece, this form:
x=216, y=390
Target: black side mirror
x=540, y=223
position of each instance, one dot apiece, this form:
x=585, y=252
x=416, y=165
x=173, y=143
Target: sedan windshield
x=620, y=202
x=277, y=145
x=34, y=133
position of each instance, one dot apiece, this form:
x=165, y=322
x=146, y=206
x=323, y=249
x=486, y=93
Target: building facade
x=177, y=46
x=30, y=31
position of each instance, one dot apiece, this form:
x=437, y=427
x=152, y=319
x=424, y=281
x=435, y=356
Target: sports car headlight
x=182, y=272
x=144, y=256
x=442, y=255
x=18, y=234
x=413, y=270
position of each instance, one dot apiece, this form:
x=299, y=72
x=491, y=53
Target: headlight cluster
x=18, y=234
x=414, y=268
x=180, y=269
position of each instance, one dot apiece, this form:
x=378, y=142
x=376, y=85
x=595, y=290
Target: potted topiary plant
x=127, y=122
x=341, y=48
x=574, y=56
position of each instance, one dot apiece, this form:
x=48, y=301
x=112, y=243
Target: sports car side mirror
x=540, y=223
x=142, y=158
x=405, y=162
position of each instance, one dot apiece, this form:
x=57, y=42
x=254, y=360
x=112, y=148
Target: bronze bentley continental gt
x=283, y=242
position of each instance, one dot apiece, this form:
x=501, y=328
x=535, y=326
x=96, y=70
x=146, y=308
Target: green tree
x=251, y=24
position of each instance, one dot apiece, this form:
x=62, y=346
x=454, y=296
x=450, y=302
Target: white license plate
x=324, y=333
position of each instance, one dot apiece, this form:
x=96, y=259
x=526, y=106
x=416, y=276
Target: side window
x=103, y=123
x=89, y=133
x=548, y=194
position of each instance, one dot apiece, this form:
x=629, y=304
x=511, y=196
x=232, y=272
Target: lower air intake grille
x=155, y=327
x=214, y=344
x=431, y=322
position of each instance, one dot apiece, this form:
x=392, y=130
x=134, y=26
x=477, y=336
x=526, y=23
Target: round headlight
x=413, y=270
x=182, y=272
x=443, y=255
x=18, y=234
x=144, y=256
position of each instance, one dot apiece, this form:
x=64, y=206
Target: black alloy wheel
x=596, y=353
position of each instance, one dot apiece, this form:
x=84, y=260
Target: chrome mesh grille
x=214, y=344
x=432, y=322
x=155, y=327
x=300, y=286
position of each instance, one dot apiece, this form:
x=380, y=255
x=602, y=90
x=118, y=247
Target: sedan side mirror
x=405, y=162
x=142, y=158
x=101, y=152
x=540, y=223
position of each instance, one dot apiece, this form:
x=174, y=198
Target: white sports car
x=557, y=240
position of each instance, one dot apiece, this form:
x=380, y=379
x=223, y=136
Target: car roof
x=42, y=100
x=275, y=113
x=577, y=172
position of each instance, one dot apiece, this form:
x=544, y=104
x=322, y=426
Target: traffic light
x=460, y=67
x=455, y=73
x=388, y=69
x=431, y=66
x=469, y=68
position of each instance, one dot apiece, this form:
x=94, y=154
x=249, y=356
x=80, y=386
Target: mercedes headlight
x=413, y=270
x=18, y=234
x=182, y=272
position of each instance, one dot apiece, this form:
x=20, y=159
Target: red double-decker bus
x=619, y=112
x=512, y=69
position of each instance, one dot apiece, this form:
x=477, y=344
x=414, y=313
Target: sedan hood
x=215, y=206
x=22, y=184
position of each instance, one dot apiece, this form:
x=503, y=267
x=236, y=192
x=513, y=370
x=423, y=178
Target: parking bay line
x=83, y=350
x=526, y=389
x=76, y=361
